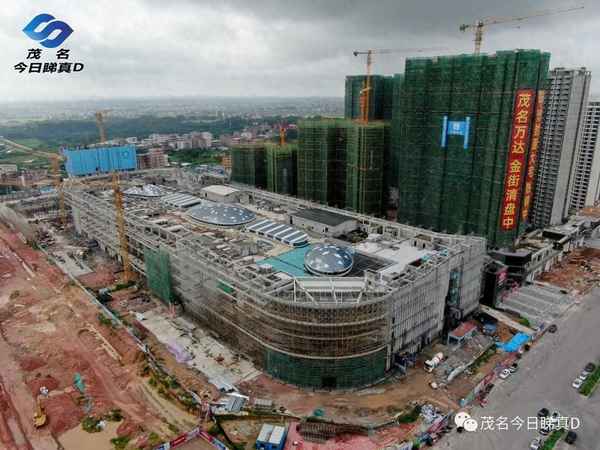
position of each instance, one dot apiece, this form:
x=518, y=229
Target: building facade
x=380, y=100
x=562, y=126
x=322, y=160
x=249, y=164
x=92, y=161
x=465, y=128
x=332, y=332
x=586, y=184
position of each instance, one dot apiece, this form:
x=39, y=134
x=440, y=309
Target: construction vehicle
x=479, y=25
x=432, y=363
x=39, y=417
x=365, y=93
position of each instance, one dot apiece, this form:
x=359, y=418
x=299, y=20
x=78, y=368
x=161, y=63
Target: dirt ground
x=366, y=406
x=578, y=273
x=49, y=331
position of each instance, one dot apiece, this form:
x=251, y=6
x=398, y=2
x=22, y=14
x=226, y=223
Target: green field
x=33, y=143
x=23, y=159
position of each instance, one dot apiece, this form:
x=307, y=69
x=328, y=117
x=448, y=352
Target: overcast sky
x=266, y=47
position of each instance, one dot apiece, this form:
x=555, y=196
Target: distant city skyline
x=235, y=48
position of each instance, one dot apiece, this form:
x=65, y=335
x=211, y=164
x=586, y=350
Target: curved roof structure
x=147, y=190
x=221, y=214
x=329, y=260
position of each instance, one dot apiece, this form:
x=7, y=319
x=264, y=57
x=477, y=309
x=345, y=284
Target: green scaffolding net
x=158, y=274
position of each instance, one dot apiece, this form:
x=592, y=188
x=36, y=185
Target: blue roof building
x=271, y=437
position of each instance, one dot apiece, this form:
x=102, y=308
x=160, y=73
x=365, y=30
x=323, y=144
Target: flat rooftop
x=322, y=216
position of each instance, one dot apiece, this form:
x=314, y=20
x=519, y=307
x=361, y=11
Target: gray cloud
x=268, y=47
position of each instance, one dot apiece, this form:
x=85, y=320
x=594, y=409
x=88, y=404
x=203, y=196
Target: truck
x=432, y=363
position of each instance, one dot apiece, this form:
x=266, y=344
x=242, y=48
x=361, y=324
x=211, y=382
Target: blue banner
x=456, y=128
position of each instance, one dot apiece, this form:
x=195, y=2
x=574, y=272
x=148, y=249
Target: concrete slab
x=202, y=349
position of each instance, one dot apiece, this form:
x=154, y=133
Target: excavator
x=39, y=417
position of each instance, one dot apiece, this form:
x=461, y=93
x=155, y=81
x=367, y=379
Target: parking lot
x=544, y=380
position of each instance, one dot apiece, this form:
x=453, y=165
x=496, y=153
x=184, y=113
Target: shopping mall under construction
x=316, y=296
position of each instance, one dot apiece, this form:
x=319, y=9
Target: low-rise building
x=324, y=222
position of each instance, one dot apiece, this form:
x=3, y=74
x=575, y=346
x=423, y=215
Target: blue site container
x=92, y=161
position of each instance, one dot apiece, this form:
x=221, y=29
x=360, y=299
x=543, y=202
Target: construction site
x=234, y=289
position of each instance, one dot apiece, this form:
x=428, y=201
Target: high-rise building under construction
x=380, y=99
x=249, y=164
x=281, y=168
x=341, y=163
x=322, y=160
x=466, y=136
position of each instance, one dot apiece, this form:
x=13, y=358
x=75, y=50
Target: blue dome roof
x=329, y=259
x=221, y=214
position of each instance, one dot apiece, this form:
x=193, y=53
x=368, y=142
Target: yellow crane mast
x=479, y=25
x=99, y=115
x=120, y=222
x=365, y=93
x=119, y=207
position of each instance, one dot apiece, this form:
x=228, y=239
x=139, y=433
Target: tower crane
x=365, y=93
x=479, y=25
x=282, y=132
x=55, y=160
x=120, y=222
x=99, y=115
x=119, y=207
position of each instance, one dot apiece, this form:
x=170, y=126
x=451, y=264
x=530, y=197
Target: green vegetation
x=114, y=415
x=52, y=134
x=485, y=357
x=589, y=385
x=104, y=320
x=31, y=142
x=23, y=159
x=552, y=439
x=120, y=286
x=120, y=443
x=410, y=416
x=154, y=439
x=90, y=424
x=525, y=322
x=173, y=428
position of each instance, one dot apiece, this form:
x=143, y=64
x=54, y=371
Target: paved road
x=544, y=380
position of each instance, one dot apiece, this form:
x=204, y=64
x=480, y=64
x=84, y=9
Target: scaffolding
x=380, y=100
x=449, y=187
x=308, y=331
x=365, y=155
x=249, y=165
x=322, y=160
x=281, y=168
x=158, y=274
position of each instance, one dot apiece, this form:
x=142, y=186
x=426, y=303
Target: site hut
x=271, y=437
x=324, y=222
x=313, y=319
